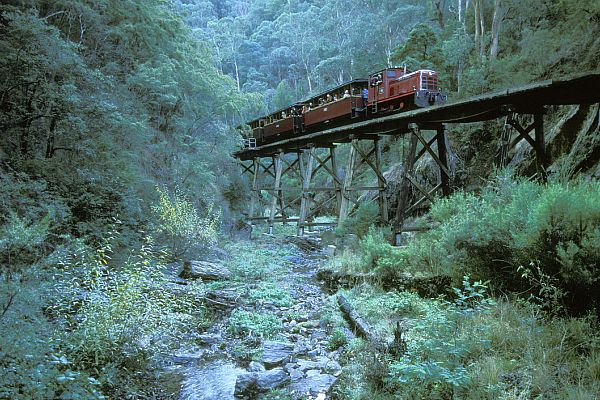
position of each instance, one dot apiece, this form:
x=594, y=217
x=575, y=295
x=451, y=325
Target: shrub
x=182, y=226
x=500, y=234
x=365, y=216
x=117, y=317
x=337, y=339
x=20, y=242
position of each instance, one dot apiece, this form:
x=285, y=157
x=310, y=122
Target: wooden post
x=540, y=146
x=254, y=198
x=336, y=185
x=405, y=186
x=276, y=189
x=343, y=214
x=381, y=184
x=305, y=202
x=442, y=153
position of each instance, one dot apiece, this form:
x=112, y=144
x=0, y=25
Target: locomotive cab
x=394, y=89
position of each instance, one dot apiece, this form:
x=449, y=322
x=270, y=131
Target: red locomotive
x=386, y=91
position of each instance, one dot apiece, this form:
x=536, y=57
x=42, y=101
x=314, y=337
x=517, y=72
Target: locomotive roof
x=402, y=68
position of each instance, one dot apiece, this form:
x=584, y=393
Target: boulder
x=276, y=353
x=245, y=385
x=272, y=379
x=314, y=385
x=256, y=367
x=204, y=270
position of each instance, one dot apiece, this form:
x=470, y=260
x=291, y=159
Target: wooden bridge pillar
x=350, y=165
x=404, y=208
x=277, y=195
x=306, y=170
x=356, y=158
x=537, y=142
x=381, y=183
x=409, y=163
x=255, y=192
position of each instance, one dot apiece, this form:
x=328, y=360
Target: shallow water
x=212, y=381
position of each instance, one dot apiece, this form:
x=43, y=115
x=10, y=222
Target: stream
x=297, y=361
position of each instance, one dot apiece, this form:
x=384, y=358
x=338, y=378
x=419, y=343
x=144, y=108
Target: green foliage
x=283, y=96
x=34, y=365
x=365, y=216
x=249, y=263
x=513, y=231
x=20, y=242
x=420, y=50
x=336, y=339
x=247, y=323
x=270, y=293
x=179, y=221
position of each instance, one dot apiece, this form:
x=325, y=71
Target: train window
x=429, y=81
x=391, y=74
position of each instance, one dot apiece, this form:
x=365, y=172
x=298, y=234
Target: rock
x=256, y=367
x=314, y=385
x=210, y=339
x=313, y=372
x=305, y=365
x=333, y=367
x=272, y=379
x=204, y=270
x=329, y=250
x=245, y=385
x=276, y=353
x=226, y=298
x=294, y=259
x=296, y=375
x=314, y=353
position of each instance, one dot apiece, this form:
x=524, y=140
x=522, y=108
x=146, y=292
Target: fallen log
x=360, y=326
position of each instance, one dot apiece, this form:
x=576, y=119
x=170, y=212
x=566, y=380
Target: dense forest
x=117, y=124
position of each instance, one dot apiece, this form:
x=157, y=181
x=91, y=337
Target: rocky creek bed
x=220, y=363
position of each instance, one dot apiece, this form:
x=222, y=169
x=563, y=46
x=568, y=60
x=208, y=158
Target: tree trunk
x=438, y=13
x=496, y=22
x=237, y=73
x=477, y=26
x=460, y=10
x=308, y=77
x=51, y=136
x=482, y=30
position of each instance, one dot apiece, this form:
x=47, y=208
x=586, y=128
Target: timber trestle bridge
x=305, y=156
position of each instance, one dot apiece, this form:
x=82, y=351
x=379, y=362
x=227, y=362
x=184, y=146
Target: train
x=390, y=90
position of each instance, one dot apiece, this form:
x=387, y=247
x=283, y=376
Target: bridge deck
x=523, y=99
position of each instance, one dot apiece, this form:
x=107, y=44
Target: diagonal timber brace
x=357, y=157
x=405, y=208
x=537, y=142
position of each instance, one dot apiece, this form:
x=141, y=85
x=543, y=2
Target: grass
x=251, y=262
x=249, y=323
x=505, y=350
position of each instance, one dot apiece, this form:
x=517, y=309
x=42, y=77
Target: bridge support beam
x=358, y=156
x=277, y=194
x=537, y=142
x=315, y=199
x=405, y=208
x=306, y=170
